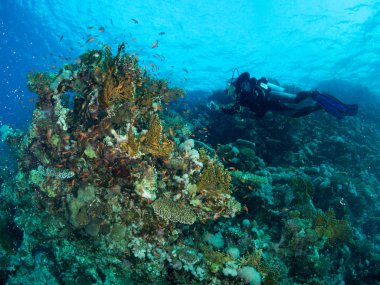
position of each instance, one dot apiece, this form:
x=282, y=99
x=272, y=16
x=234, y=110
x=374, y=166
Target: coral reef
x=119, y=183
x=97, y=169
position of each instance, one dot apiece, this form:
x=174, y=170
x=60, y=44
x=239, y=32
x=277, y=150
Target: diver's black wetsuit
x=256, y=95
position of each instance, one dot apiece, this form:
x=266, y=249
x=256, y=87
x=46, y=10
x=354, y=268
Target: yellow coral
x=214, y=179
x=132, y=145
x=155, y=142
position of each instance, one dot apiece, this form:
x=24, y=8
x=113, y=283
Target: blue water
x=332, y=46
x=295, y=42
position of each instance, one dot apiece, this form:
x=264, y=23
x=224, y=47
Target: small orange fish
x=154, y=45
x=171, y=132
x=246, y=208
x=77, y=60
x=90, y=40
x=231, y=168
x=101, y=29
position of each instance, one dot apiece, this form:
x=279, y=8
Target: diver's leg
x=306, y=111
x=279, y=106
x=304, y=95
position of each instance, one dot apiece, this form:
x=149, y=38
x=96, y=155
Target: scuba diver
x=260, y=96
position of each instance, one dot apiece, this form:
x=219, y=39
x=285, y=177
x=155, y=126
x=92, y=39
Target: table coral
x=174, y=212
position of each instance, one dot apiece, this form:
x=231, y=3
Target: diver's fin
x=352, y=109
x=334, y=106
x=300, y=96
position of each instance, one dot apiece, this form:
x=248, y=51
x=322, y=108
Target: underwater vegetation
x=116, y=184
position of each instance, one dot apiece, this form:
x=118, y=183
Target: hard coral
x=174, y=211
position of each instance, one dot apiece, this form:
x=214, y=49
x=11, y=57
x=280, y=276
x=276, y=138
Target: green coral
x=90, y=152
x=215, y=259
x=303, y=189
x=327, y=226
